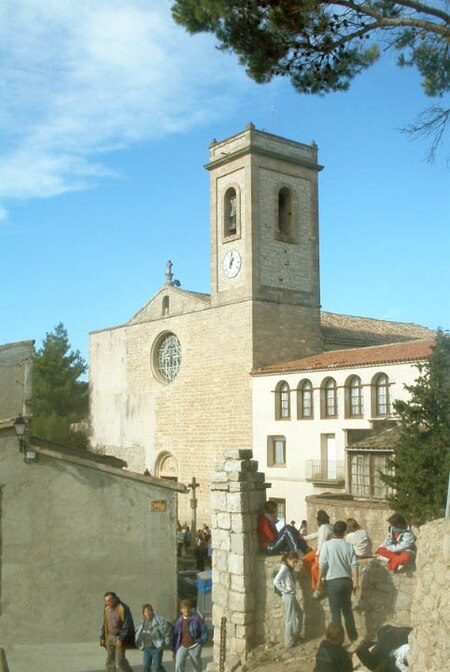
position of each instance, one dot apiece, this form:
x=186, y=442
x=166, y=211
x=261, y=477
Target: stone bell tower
x=264, y=239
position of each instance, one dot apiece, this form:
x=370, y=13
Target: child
x=274, y=542
x=399, y=547
x=151, y=636
x=311, y=559
x=189, y=635
x=358, y=538
x=331, y=655
x=284, y=582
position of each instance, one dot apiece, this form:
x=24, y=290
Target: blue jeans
x=153, y=656
x=194, y=654
x=340, y=599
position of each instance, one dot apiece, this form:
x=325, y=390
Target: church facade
x=171, y=389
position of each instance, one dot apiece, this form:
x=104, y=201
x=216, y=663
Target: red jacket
x=266, y=529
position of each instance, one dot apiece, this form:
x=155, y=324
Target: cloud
x=86, y=78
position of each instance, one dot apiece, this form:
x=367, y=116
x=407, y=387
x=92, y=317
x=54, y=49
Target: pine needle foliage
x=421, y=464
x=60, y=398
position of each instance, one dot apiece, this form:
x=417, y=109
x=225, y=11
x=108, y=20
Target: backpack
x=275, y=589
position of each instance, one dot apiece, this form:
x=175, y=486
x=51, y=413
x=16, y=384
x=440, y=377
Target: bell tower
x=264, y=239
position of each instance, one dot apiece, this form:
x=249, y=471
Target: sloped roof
x=411, y=351
x=106, y=463
x=384, y=440
x=350, y=331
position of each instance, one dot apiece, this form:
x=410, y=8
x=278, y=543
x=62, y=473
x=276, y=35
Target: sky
x=107, y=109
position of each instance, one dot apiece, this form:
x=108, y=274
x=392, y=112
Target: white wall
x=303, y=437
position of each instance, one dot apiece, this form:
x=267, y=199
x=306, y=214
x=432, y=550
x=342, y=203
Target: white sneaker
x=382, y=559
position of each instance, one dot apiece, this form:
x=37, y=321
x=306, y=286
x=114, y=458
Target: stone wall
x=384, y=597
x=430, y=641
x=243, y=577
x=372, y=516
x=238, y=495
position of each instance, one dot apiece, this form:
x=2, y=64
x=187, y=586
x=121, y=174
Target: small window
x=353, y=398
x=165, y=306
x=282, y=401
x=231, y=213
x=328, y=394
x=276, y=451
x=305, y=409
x=381, y=404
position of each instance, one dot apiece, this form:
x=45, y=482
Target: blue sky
x=106, y=114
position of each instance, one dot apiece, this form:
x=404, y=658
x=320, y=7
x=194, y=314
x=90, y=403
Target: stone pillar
x=238, y=493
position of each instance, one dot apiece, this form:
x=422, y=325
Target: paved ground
x=75, y=658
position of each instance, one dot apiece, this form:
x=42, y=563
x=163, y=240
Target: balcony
x=330, y=473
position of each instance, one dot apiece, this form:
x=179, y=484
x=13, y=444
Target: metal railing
x=332, y=470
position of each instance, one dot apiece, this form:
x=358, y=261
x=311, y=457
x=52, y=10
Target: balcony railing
x=332, y=471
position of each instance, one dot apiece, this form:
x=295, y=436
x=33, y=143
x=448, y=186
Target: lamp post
x=22, y=428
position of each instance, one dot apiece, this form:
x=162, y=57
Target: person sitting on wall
x=399, y=547
x=358, y=538
x=331, y=655
x=311, y=559
x=273, y=541
x=390, y=652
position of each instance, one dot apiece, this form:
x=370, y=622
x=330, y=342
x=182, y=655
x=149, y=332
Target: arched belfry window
x=285, y=215
x=231, y=212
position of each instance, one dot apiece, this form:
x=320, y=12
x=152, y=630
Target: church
x=171, y=389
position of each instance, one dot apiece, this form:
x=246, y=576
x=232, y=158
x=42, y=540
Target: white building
x=309, y=414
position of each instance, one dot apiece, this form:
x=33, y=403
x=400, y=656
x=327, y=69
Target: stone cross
x=193, y=485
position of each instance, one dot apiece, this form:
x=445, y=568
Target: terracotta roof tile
x=391, y=353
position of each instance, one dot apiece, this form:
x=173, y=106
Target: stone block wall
x=243, y=576
x=372, y=516
x=384, y=597
x=430, y=640
x=238, y=493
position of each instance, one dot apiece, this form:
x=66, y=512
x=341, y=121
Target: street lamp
x=22, y=427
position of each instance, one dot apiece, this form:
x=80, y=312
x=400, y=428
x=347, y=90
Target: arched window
x=165, y=305
x=305, y=408
x=381, y=405
x=231, y=213
x=282, y=401
x=284, y=212
x=353, y=397
x=329, y=398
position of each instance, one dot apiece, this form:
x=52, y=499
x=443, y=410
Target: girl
x=284, y=582
x=311, y=559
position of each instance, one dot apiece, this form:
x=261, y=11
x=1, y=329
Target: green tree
x=421, y=464
x=321, y=45
x=60, y=398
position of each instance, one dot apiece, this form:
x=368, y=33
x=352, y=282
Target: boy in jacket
x=189, y=635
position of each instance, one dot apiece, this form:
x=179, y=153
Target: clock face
x=232, y=263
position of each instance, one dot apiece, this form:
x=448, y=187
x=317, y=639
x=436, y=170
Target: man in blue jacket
x=117, y=633
x=189, y=635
